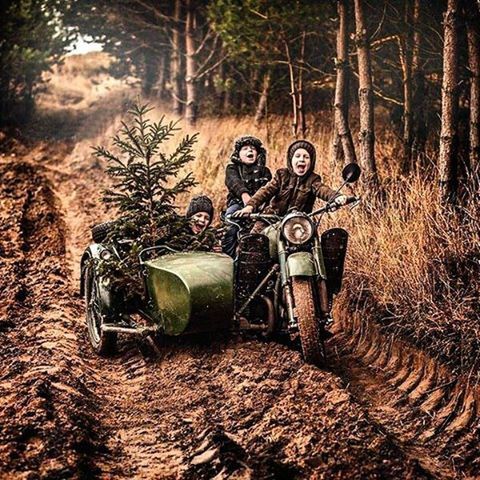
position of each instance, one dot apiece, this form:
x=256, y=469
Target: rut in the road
x=45, y=405
x=430, y=413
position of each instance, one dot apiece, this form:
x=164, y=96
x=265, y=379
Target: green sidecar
x=185, y=293
x=190, y=292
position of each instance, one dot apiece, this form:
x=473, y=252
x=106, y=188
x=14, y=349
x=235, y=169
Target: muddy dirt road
x=227, y=408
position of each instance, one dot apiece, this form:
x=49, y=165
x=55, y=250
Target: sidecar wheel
x=104, y=343
x=309, y=329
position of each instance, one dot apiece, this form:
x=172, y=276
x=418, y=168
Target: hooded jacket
x=242, y=178
x=287, y=190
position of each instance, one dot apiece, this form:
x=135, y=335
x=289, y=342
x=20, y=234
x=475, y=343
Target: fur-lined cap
x=254, y=142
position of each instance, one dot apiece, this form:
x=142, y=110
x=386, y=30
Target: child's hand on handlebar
x=245, y=211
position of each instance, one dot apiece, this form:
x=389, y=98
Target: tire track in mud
x=431, y=414
x=46, y=427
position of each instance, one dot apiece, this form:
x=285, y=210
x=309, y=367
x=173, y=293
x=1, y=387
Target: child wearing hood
x=296, y=186
x=244, y=175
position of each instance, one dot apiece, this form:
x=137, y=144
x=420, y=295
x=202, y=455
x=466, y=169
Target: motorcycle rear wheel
x=104, y=343
x=309, y=329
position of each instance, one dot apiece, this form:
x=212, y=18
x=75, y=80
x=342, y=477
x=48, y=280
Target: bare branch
x=213, y=67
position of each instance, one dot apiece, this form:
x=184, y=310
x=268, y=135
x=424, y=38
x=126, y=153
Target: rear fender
x=301, y=264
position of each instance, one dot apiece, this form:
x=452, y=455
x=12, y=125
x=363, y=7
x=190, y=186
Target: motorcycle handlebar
x=329, y=207
x=332, y=207
x=253, y=216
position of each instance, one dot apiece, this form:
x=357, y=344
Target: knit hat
x=200, y=203
x=254, y=142
x=307, y=146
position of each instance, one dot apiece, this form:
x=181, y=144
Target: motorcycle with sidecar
x=279, y=283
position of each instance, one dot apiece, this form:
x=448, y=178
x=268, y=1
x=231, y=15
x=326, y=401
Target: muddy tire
x=308, y=327
x=104, y=343
x=100, y=231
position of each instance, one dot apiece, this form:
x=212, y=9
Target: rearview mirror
x=351, y=173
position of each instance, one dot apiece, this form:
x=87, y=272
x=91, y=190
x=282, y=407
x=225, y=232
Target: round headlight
x=297, y=229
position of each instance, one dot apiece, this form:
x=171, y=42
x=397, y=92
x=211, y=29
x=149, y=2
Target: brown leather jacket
x=287, y=190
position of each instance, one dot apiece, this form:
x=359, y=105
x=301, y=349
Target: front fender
x=301, y=264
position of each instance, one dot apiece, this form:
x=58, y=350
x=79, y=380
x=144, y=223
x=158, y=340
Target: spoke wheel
x=104, y=343
x=308, y=326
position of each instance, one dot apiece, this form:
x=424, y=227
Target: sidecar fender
x=92, y=252
x=301, y=264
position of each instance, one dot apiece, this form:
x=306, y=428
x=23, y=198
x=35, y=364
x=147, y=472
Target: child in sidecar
x=198, y=235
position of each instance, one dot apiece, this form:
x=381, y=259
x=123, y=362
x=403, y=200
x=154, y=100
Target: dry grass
x=415, y=270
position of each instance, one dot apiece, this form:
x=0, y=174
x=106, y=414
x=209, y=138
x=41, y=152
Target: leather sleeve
x=266, y=193
x=323, y=191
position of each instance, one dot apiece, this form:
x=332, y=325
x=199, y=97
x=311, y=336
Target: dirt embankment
x=223, y=408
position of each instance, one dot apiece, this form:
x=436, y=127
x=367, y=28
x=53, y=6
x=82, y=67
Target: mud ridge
x=431, y=414
x=46, y=408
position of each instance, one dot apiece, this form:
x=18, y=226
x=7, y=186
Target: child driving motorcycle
x=293, y=188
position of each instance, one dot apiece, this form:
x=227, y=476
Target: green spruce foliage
x=143, y=191
x=145, y=187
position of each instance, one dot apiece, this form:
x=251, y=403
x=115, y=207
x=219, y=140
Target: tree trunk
x=419, y=91
x=301, y=107
x=293, y=90
x=175, y=67
x=191, y=66
x=473, y=38
x=150, y=72
x=365, y=95
x=227, y=95
x=405, y=49
x=343, y=142
x=162, y=76
x=262, y=103
x=448, y=135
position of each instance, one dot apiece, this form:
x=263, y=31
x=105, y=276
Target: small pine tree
x=144, y=194
x=142, y=173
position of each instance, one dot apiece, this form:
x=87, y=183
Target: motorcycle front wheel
x=308, y=326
